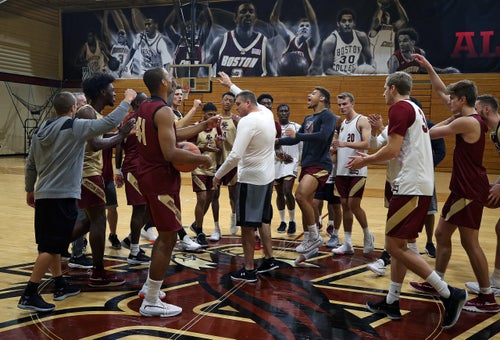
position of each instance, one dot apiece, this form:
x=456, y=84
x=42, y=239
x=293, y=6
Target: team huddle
x=253, y=154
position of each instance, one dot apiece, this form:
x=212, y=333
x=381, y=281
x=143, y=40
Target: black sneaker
x=430, y=249
x=126, y=242
x=81, y=262
x=65, y=291
x=267, y=265
x=282, y=227
x=140, y=258
x=35, y=303
x=201, y=239
x=244, y=275
x=115, y=242
x=291, y=228
x=382, y=307
x=453, y=306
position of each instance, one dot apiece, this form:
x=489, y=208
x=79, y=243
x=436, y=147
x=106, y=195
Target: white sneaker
x=233, y=228
x=188, y=245
x=345, y=249
x=148, y=234
x=302, y=244
x=378, y=267
x=215, y=236
x=369, y=245
x=474, y=287
x=308, y=245
x=142, y=293
x=159, y=308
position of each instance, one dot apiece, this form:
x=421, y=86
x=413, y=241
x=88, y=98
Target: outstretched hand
x=357, y=162
x=224, y=79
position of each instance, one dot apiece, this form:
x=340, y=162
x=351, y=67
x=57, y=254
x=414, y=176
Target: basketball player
x=403, y=60
x=187, y=50
x=126, y=174
x=159, y=181
x=228, y=128
x=209, y=142
x=152, y=49
x=306, y=39
x=487, y=107
x=93, y=56
x=253, y=151
x=316, y=133
x=353, y=137
x=286, y=173
x=464, y=207
x=100, y=92
x=242, y=52
x=382, y=32
x=346, y=47
x=411, y=176
x=56, y=158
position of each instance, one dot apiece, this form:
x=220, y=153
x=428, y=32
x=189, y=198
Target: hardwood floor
x=322, y=299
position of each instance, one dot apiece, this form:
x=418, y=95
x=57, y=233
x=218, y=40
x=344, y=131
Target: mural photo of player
x=300, y=46
x=345, y=48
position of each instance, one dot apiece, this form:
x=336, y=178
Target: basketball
x=293, y=64
x=365, y=69
x=492, y=206
x=189, y=147
x=113, y=64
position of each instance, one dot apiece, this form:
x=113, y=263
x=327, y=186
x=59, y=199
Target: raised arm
x=403, y=17
x=437, y=84
x=278, y=25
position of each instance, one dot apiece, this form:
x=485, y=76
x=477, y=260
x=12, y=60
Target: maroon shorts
x=348, y=186
x=317, y=172
x=462, y=212
x=231, y=178
x=92, y=192
x=406, y=215
x=202, y=182
x=134, y=195
x=165, y=211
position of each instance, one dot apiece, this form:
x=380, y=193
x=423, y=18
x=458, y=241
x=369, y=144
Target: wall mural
x=278, y=38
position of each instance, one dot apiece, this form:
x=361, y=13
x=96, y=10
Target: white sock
x=394, y=292
x=335, y=232
x=439, y=284
x=216, y=224
x=291, y=215
x=153, y=290
x=496, y=277
x=282, y=215
x=485, y=290
x=306, y=235
x=313, y=231
x=413, y=246
x=348, y=238
x=330, y=222
x=367, y=234
x=134, y=249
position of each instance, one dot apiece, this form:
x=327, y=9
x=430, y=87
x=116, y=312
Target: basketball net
x=185, y=92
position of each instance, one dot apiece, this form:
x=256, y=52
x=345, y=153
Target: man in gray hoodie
x=56, y=159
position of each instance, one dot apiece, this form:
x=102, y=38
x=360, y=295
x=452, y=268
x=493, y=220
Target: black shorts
x=327, y=193
x=54, y=223
x=253, y=205
x=110, y=192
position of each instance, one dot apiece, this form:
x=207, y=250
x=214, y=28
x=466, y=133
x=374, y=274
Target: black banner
x=370, y=37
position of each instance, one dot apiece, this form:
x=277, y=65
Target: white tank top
x=412, y=171
x=349, y=133
x=346, y=56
